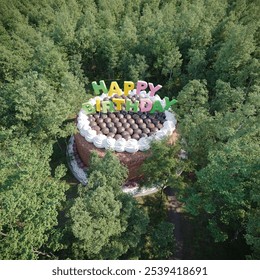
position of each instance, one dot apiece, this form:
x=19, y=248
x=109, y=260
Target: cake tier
x=132, y=161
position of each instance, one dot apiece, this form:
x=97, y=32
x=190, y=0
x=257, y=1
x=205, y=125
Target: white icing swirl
x=99, y=140
x=120, y=145
x=170, y=117
x=109, y=143
x=131, y=146
x=169, y=127
x=144, y=143
x=90, y=134
x=160, y=134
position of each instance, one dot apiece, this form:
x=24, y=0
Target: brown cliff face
x=132, y=161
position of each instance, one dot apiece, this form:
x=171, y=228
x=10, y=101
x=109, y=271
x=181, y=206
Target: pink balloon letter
x=145, y=104
x=154, y=89
x=141, y=85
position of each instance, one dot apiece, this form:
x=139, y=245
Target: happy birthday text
x=117, y=104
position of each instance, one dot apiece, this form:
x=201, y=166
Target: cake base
x=79, y=170
x=133, y=161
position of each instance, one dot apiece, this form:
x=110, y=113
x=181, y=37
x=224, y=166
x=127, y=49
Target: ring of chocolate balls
x=127, y=125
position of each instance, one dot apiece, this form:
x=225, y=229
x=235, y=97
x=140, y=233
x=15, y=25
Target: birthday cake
x=125, y=122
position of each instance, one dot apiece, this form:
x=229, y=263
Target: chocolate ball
x=91, y=118
x=118, y=136
x=142, y=125
x=147, y=120
x=105, y=130
x=120, y=129
x=143, y=116
x=120, y=116
x=150, y=125
x=131, y=121
x=146, y=130
x=126, y=125
x=130, y=130
x=126, y=135
x=96, y=115
x=115, y=120
x=92, y=123
x=123, y=120
x=143, y=135
x=102, y=125
x=135, y=136
x=107, y=120
x=134, y=126
x=135, y=116
x=118, y=124
x=154, y=130
x=109, y=125
x=128, y=116
x=137, y=131
x=110, y=134
x=139, y=121
x=99, y=120
x=96, y=128
x=113, y=130
x=103, y=116
x=159, y=125
x=155, y=121
x=112, y=115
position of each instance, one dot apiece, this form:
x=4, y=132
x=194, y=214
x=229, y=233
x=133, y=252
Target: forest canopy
x=205, y=53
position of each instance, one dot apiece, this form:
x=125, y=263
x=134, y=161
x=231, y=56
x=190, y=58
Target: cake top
x=126, y=122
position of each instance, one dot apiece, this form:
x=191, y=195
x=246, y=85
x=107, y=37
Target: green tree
x=103, y=222
x=30, y=198
x=221, y=194
x=163, y=166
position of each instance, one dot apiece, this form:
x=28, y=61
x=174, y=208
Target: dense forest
x=205, y=53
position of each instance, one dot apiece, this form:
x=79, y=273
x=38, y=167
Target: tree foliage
x=103, y=222
x=204, y=53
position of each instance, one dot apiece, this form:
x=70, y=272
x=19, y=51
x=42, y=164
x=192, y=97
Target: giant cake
x=125, y=124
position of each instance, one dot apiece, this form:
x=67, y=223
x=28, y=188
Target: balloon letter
x=157, y=106
x=169, y=103
x=88, y=108
x=119, y=102
x=141, y=85
x=114, y=88
x=101, y=87
x=98, y=105
x=145, y=104
x=128, y=86
x=105, y=106
x=130, y=105
x=154, y=89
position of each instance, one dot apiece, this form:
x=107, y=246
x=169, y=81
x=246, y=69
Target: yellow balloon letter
x=114, y=88
x=128, y=86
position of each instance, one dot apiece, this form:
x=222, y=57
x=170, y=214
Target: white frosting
x=131, y=146
x=90, y=134
x=144, y=143
x=162, y=133
x=79, y=172
x=121, y=145
x=169, y=127
x=99, y=140
x=109, y=143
